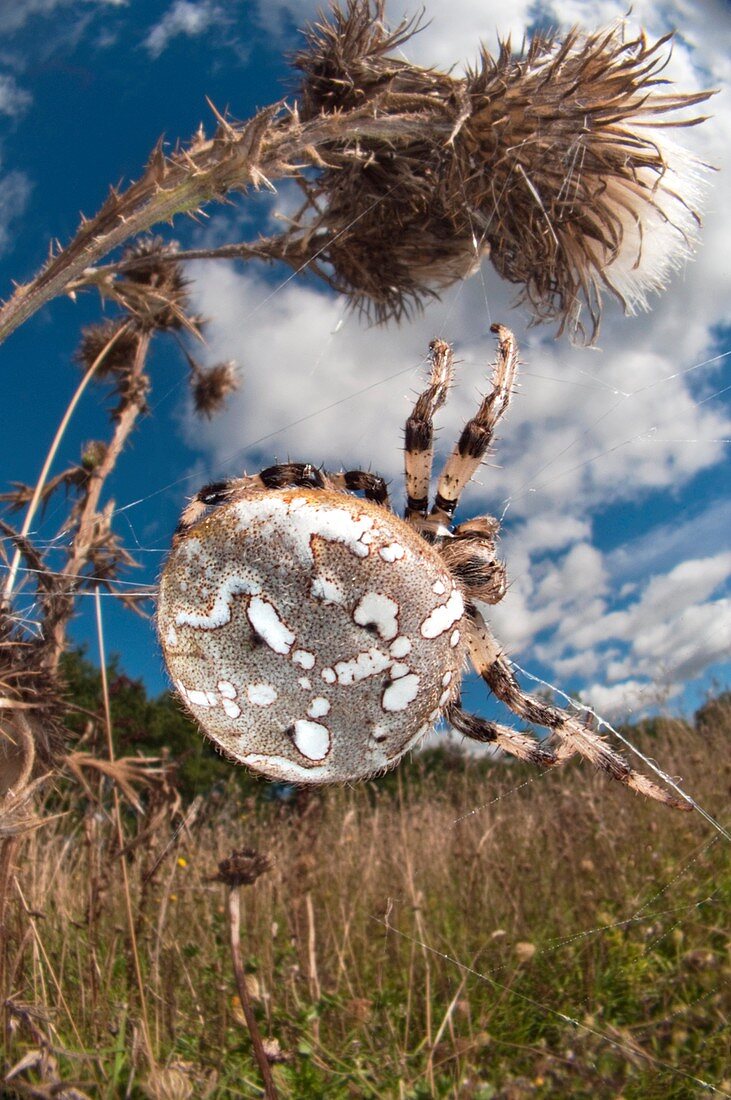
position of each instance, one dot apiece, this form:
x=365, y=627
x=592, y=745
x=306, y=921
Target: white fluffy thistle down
x=661, y=229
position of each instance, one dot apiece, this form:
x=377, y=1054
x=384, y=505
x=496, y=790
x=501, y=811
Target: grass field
x=458, y=929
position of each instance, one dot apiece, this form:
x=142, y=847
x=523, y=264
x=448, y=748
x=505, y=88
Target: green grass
x=452, y=931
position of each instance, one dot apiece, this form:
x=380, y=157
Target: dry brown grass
x=404, y=931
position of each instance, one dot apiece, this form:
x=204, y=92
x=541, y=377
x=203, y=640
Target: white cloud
x=15, y=190
x=184, y=17
x=618, y=701
x=13, y=98
x=14, y=14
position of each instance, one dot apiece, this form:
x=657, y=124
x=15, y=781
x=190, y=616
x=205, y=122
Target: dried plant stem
x=237, y=158
x=234, y=917
x=50, y=457
x=87, y=519
x=49, y=966
x=120, y=838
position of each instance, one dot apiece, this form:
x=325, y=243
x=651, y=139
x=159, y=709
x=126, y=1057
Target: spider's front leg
x=477, y=434
x=573, y=736
x=419, y=431
x=370, y=485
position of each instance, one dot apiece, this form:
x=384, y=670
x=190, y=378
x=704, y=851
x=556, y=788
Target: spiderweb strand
x=634, y=1051
x=646, y=760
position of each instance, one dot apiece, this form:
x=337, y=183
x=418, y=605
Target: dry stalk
x=243, y=868
x=120, y=840
x=154, y=299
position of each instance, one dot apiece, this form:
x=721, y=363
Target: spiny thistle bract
x=557, y=167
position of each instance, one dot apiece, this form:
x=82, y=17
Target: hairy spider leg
x=477, y=434
x=372, y=486
x=518, y=744
x=302, y=474
x=573, y=736
x=419, y=430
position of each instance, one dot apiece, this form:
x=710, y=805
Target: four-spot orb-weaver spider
x=317, y=637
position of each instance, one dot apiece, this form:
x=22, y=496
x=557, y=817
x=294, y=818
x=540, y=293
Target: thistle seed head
x=212, y=386
x=154, y=288
x=243, y=867
x=120, y=353
x=554, y=164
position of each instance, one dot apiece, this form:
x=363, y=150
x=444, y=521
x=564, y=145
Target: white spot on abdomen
x=392, y=552
x=261, y=695
x=322, y=588
x=266, y=622
x=398, y=668
x=303, y=658
x=237, y=585
x=380, y=611
x=443, y=617
x=401, y=692
x=400, y=646
x=365, y=664
x=312, y=739
x=198, y=698
x=233, y=710
x=318, y=707
x=227, y=689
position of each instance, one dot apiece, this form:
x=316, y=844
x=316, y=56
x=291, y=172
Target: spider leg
x=509, y=740
x=477, y=434
x=211, y=495
x=419, y=430
x=301, y=475
x=372, y=486
x=274, y=477
x=573, y=735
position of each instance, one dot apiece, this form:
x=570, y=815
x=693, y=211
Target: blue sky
x=611, y=470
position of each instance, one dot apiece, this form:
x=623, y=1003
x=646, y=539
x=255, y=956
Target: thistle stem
x=234, y=917
x=205, y=172
x=50, y=457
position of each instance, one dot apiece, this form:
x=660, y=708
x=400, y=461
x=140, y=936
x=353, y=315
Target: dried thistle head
x=154, y=288
x=31, y=705
x=114, y=340
x=552, y=161
x=243, y=867
x=349, y=60
x=212, y=386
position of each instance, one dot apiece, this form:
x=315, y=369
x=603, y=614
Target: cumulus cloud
x=185, y=17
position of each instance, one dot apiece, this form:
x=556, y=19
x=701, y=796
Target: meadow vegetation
x=461, y=928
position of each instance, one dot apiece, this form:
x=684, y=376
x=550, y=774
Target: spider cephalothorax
x=317, y=637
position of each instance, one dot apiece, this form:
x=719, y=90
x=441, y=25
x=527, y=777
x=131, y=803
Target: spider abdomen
x=315, y=636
